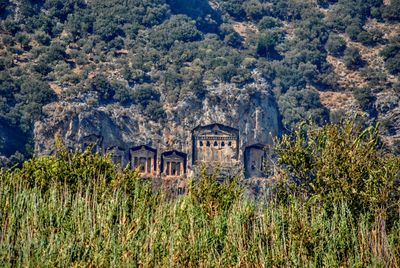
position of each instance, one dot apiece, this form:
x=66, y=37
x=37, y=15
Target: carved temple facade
x=213, y=146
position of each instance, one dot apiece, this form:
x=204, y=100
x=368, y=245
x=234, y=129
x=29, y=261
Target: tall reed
x=90, y=225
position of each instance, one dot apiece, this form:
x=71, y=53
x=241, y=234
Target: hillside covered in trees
x=321, y=59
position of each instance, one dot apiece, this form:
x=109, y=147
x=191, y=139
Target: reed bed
x=95, y=226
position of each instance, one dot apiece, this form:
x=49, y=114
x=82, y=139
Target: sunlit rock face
x=251, y=112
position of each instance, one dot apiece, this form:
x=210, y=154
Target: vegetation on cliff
x=80, y=209
x=153, y=52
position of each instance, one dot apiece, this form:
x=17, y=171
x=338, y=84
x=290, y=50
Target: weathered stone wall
x=254, y=161
x=215, y=145
x=252, y=111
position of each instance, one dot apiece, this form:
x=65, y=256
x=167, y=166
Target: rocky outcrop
x=252, y=110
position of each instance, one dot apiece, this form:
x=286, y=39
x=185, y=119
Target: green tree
x=56, y=52
x=335, y=45
x=155, y=110
x=391, y=56
x=352, y=58
x=353, y=30
x=299, y=105
x=103, y=87
x=268, y=22
x=234, y=39
x=370, y=38
x=266, y=45
x=177, y=28
x=234, y=8
x=43, y=38
x=254, y=9
x=144, y=95
x=366, y=100
x=340, y=163
x=391, y=13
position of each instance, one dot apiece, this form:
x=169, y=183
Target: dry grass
x=336, y=100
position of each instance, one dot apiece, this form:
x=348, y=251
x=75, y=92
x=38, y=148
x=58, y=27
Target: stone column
x=169, y=169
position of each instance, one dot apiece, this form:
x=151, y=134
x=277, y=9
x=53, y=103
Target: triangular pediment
x=215, y=132
x=215, y=129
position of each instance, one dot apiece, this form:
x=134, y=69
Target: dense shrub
x=43, y=38
x=299, y=105
x=145, y=94
x=335, y=45
x=391, y=12
x=268, y=22
x=103, y=87
x=391, y=56
x=212, y=196
x=370, y=38
x=155, y=110
x=177, y=28
x=340, y=162
x=23, y=40
x=366, y=100
x=352, y=58
x=353, y=31
x=267, y=42
x=56, y=52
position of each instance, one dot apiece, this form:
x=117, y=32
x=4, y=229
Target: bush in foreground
x=340, y=163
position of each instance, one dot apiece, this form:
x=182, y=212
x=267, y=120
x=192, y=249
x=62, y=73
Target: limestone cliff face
x=252, y=111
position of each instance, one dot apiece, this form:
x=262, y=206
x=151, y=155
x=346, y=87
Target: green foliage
x=299, y=105
x=352, y=58
x=370, y=38
x=155, y=111
x=38, y=93
x=234, y=39
x=366, y=100
x=103, y=87
x=267, y=42
x=268, y=22
x=144, y=95
x=42, y=68
x=335, y=45
x=68, y=169
x=79, y=210
x=353, y=31
x=177, y=28
x=254, y=9
x=43, y=38
x=391, y=56
x=200, y=10
x=391, y=12
x=55, y=52
x=80, y=24
x=106, y=29
x=23, y=40
x=234, y=8
x=340, y=163
x=326, y=3
x=179, y=48
x=212, y=196
x=11, y=26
